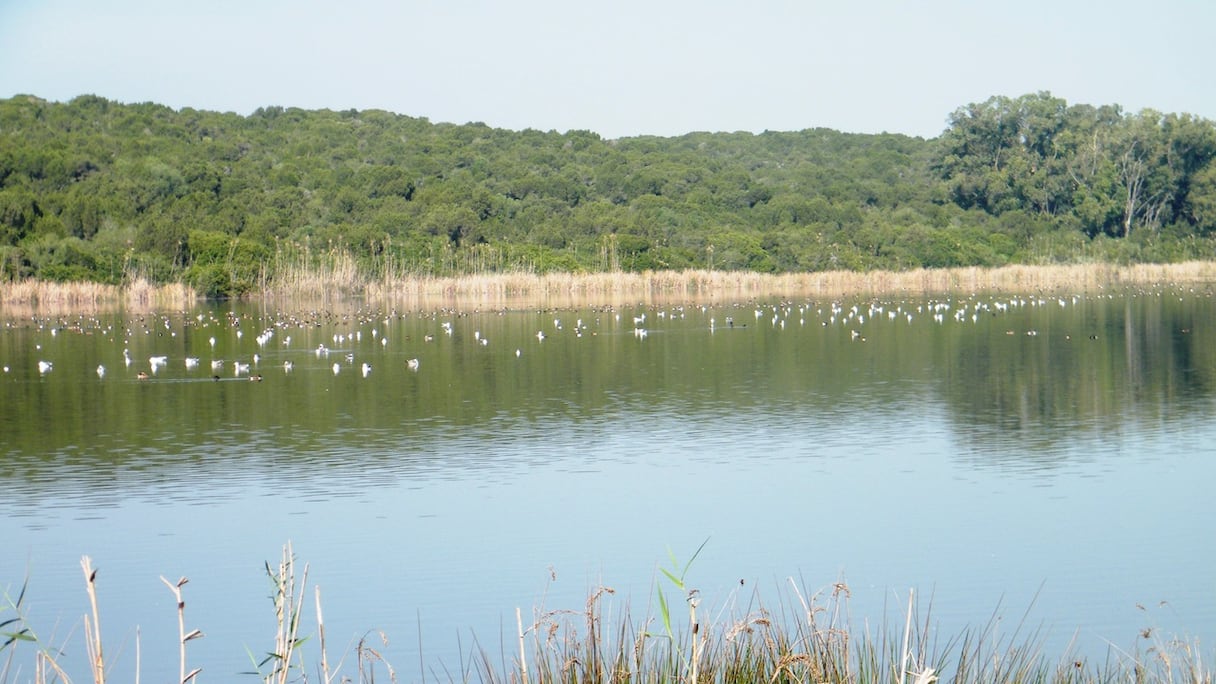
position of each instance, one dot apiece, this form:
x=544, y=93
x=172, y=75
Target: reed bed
x=338, y=278
x=804, y=637
x=29, y=297
x=565, y=290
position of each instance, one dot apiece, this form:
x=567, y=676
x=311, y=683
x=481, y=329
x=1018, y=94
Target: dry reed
x=338, y=278
x=182, y=635
x=568, y=290
x=29, y=297
x=92, y=631
x=288, y=602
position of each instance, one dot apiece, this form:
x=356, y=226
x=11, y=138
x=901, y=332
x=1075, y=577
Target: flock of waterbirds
x=275, y=333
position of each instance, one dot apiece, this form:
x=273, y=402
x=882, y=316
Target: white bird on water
x=337, y=369
x=101, y=371
x=412, y=364
x=366, y=369
x=45, y=367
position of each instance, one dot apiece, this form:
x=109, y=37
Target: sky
x=625, y=68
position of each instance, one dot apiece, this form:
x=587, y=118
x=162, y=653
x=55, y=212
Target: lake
x=1016, y=460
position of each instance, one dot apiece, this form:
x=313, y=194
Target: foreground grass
x=339, y=279
x=805, y=637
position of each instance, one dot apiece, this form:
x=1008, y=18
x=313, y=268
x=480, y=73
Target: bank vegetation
x=100, y=191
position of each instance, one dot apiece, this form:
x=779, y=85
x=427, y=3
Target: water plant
x=288, y=598
x=675, y=575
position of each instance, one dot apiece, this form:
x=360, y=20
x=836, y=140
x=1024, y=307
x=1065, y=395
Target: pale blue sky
x=632, y=67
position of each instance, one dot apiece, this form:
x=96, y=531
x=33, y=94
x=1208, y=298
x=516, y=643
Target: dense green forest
x=98, y=190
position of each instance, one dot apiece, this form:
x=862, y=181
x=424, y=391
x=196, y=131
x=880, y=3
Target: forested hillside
x=97, y=190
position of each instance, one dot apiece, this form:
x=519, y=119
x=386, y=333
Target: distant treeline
x=102, y=191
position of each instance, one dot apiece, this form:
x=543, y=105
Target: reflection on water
x=974, y=448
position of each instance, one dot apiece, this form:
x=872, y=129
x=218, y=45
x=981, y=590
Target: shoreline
x=569, y=290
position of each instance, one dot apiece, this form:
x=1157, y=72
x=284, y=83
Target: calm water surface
x=1048, y=458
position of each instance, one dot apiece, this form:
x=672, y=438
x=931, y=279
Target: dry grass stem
x=325, y=676
x=92, y=631
x=183, y=637
x=523, y=658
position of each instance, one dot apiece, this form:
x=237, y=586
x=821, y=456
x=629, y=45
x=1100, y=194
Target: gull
x=191, y=362
x=101, y=371
x=217, y=364
x=287, y=366
x=366, y=369
x=337, y=369
x=45, y=367
x=412, y=364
